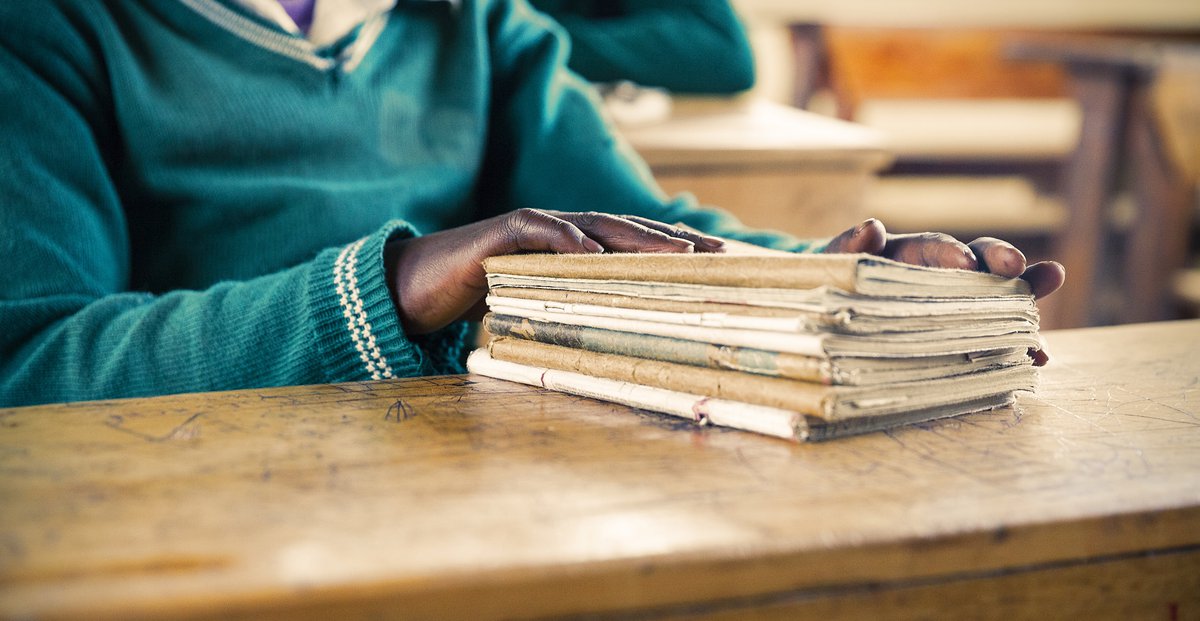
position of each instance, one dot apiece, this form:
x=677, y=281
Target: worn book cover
x=932, y=337
x=849, y=314
x=828, y=403
x=851, y=371
x=853, y=273
x=777, y=422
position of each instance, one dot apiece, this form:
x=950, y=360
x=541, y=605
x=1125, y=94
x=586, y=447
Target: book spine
x=703, y=410
x=800, y=397
x=693, y=353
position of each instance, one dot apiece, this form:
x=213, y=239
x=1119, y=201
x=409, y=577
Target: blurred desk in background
x=1159, y=15
x=771, y=165
x=1122, y=137
x=1050, y=139
x=472, y=498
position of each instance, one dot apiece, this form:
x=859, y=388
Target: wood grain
x=468, y=497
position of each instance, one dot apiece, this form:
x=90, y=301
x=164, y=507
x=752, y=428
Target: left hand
x=986, y=254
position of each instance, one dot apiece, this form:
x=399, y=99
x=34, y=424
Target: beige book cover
x=854, y=273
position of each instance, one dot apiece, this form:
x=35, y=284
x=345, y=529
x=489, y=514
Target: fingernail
x=682, y=243
x=864, y=226
x=970, y=262
x=592, y=245
x=712, y=242
x=688, y=248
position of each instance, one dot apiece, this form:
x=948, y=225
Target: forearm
x=329, y=320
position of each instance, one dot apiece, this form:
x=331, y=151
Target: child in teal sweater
x=193, y=197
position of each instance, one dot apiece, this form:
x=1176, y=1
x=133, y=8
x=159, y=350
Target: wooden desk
x=473, y=498
x=773, y=166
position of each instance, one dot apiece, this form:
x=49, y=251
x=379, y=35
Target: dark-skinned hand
x=438, y=278
x=986, y=254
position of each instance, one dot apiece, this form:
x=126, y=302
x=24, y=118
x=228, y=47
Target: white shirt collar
x=332, y=19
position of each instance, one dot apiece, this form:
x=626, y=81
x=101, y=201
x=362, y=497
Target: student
x=194, y=196
x=683, y=46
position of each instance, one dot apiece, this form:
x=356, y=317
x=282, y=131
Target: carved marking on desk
x=399, y=412
x=183, y=431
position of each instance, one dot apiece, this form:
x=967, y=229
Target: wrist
x=393, y=251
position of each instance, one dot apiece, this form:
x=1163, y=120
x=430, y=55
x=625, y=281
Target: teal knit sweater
x=684, y=46
x=192, y=199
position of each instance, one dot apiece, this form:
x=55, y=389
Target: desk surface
x=753, y=133
x=464, y=496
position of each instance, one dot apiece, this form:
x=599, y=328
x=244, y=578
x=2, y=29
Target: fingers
x=588, y=232
x=1001, y=257
x=702, y=242
x=631, y=234
x=931, y=250
x=1039, y=354
x=868, y=237
x=1045, y=278
x=537, y=231
x=622, y=234
x=998, y=257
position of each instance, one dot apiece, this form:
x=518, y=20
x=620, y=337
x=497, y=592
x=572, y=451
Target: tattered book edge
x=769, y=421
x=720, y=412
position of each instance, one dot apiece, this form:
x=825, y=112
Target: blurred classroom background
x=1070, y=127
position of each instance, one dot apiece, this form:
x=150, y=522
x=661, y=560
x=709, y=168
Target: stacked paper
x=805, y=347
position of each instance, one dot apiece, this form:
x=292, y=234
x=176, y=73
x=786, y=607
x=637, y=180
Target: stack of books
x=804, y=347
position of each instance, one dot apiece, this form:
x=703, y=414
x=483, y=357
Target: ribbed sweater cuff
x=357, y=329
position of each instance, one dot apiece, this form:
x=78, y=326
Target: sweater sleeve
x=549, y=147
x=684, y=46
x=72, y=328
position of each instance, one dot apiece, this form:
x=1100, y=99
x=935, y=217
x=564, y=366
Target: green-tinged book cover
x=694, y=353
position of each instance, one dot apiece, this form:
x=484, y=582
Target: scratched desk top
x=465, y=496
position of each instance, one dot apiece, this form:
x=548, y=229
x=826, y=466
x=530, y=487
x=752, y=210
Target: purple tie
x=301, y=12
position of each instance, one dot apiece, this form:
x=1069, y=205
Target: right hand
x=437, y=279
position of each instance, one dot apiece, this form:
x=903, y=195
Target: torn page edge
x=703, y=410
